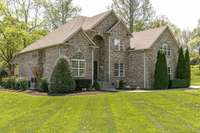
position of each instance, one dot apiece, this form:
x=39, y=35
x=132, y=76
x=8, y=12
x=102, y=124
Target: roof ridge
x=152, y=29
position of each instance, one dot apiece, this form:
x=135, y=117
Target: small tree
x=61, y=80
x=187, y=68
x=161, y=78
x=180, y=70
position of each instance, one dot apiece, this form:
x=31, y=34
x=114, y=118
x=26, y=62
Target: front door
x=95, y=70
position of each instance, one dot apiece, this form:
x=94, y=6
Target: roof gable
x=145, y=39
x=63, y=33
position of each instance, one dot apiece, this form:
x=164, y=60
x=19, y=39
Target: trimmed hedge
x=83, y=83
x=178, y=83
x=61, y=80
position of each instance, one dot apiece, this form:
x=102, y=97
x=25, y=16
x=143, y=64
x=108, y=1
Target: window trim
x=169, y=71
x=78, y=68
x=166, y=49
x=118, y=70
x=118, y=45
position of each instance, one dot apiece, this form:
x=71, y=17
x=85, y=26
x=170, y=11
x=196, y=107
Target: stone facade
x=139, y=65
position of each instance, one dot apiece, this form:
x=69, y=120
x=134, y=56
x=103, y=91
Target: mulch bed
x=37, y=93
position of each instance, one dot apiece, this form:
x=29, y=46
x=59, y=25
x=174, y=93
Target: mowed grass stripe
x=128, y=118
x=186, y=105
x=97, y=116
x=67, y=118
x=165, y=112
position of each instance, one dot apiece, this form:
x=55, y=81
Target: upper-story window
x=78, y=65
x=119, y=70
x=118, y=45
x=166, y=49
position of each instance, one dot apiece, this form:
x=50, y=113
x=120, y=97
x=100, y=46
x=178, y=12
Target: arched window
x=78, y=65
x=166, y=49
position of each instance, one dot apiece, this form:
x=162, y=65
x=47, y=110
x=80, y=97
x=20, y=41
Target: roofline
x=166, y=28
x=122, y=22
x=107, y=14
x=77, y=31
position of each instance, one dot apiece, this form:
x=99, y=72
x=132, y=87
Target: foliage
x=83, y=83
x=22, y=83
x=58, y=12
x=8, y=83
x=180, y=70
x=187, y=68
x=14, y=36
x=3, y=73
x=61, y=80
x=15, y=83
x=136, y=13
x=42, y=85
x=121, y=85
x=178, y=83
x=96, y=85
x=161, y=77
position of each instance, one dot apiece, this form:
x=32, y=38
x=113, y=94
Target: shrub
x=161, y=77
x=9, y=82
x=187, y=68
x=121, y=85
x=3, y=73
x=178, y=83
x=96, y=86
x=180, y=70
x=42, y=85
x=83, y=83
x=21, y=83
x=61, y=80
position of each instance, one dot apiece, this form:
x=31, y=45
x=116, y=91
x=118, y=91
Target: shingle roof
x=63, y=33
x=145, y=39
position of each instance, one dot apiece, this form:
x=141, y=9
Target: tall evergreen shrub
x=61, y=80
x=180, y=70
x=187, y=68
x=161, y=78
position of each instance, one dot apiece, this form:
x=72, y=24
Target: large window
x=119, y=70
x=166, y=49
x=78, y=65
x=118, y=45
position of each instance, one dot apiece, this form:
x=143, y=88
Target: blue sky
x=183, y=13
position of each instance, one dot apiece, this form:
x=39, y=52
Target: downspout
x=92, y=66
x=144, y=70
x=109, y=59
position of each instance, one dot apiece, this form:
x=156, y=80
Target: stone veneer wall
x=136, y=69
x=151, y=56
x=26, y=62
x=119, y=32
x=76, y=44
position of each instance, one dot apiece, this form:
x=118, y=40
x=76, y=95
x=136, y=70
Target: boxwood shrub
x=15, y=83
x=83, y=83
x=178, y=83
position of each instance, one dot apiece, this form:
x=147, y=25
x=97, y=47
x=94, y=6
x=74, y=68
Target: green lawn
x=195, y=75
x=163, y=111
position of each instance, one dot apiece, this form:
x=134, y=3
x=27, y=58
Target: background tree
x=180, y=70
x=14, y=36
x=161, y=77
x=61, y=80
x=57, y=12
x=134, y=12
